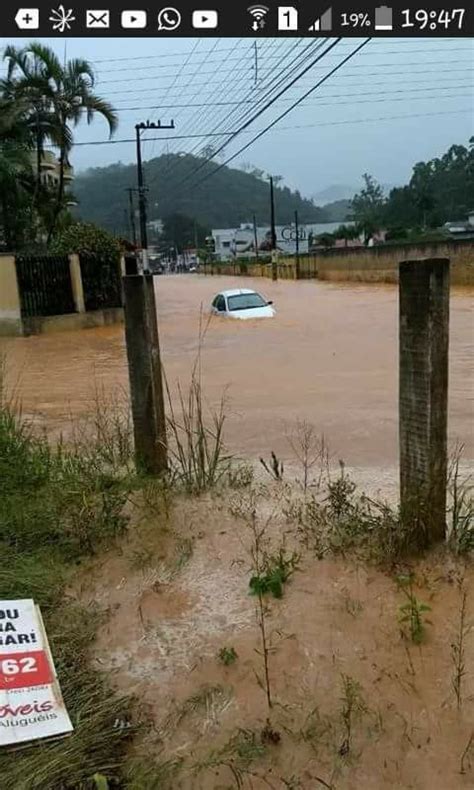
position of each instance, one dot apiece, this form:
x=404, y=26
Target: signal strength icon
x=324, y=22
x=258, y=13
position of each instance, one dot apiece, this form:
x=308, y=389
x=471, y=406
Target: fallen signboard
x=31, y=704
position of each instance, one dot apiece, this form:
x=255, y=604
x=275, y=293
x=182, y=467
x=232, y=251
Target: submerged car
x=242, y=303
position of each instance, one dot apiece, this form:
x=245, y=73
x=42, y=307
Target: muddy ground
x=355, y=702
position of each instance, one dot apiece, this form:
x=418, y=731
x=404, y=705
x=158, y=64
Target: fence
x=100, y=283
x=44, y=283
x=376, y=264
x=49, y=293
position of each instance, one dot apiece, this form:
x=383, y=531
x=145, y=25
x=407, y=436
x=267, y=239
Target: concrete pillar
x=423, y=396
x=76, y=283
x=10, y=304
x=145, y=374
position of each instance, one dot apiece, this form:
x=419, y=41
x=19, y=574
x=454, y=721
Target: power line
x=346, y=74
x=345, y=122
x=206, y=60
x=263, y=109
x=277, y=79
x=328, y=96
x=375, y=42
x=288, y=110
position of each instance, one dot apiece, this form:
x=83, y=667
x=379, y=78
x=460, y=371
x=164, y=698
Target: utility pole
x=141, y=186
x=297, y=232
x=133, y=228
x=272, y=215
x=273, y=232
x=255, y=237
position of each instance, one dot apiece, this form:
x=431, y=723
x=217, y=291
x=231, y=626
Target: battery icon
x=383, y=18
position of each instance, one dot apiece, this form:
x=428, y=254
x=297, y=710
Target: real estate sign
x=31, y=704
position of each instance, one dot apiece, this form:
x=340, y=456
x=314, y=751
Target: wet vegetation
x=62, y=505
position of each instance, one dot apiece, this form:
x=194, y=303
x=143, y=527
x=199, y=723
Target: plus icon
x=27, y=18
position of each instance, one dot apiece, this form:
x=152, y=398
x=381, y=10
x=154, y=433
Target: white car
x=242, y=303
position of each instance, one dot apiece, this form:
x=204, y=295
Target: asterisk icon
x=61, y=18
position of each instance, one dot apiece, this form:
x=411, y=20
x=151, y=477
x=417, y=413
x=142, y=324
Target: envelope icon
x=97, y=18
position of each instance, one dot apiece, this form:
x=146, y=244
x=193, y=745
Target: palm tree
x=60, y=96
x=74, y=99
x=347, y=232
x=27, y=88
x=16, y=176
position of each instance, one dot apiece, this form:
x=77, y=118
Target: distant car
x=242, y=303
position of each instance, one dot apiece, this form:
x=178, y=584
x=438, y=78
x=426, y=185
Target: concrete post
x=145, y=374
x=423, y=396
x=76, y=283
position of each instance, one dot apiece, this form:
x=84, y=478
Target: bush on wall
x=87, y=240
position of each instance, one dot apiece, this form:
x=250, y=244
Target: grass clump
x=275, y=571
x=57, y=506
x=227, y=656
x=412, y=613
x=461, y=507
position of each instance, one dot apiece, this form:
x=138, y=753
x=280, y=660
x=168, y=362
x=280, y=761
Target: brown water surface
x=330, y=356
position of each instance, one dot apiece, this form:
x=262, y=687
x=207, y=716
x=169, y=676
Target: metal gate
x=44, y=282
x=101, y=283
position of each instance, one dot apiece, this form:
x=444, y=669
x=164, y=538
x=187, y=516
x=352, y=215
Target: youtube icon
x=134, y=20
x=205, y=20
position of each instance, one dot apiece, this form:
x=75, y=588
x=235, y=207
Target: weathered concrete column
x=145, y=374
x=10, y=304
x=423, y=396
x=76, y=283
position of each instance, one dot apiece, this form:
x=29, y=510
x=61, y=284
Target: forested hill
x=228, y=198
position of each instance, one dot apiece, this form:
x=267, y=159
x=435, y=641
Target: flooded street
x=330, y=357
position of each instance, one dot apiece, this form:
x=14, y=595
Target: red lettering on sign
x=22, y=670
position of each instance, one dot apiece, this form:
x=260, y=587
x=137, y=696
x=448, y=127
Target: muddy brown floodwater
x=330, y=356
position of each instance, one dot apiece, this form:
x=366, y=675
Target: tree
x=16, y=176
x=60, y=96
x=368, y=206
x=184, y=232
x=326, y=240
x=89, y=240
x=346, y=232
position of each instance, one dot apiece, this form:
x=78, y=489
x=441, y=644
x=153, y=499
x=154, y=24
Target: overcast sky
x=420, y=91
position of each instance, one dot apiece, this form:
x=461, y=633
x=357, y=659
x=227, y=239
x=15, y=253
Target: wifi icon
x=258, y=14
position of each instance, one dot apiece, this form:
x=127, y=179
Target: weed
x=309, y=449
x=461, y=510
x=340, y=494
x=413, y=611
x=145, y=774
x=100, y=782
x=239, y=752
x=352, y=606
x=227, y=656
x=275, y=571
x=142, y=558
x=240, y=476
x=183, y=552
x=352, y=708
x=196, y=446
x=274, y=467
x=466, y=754
x=58, y=504
x=458, y=651
x=270, y=735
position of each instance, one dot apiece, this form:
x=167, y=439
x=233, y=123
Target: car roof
x=237, y=291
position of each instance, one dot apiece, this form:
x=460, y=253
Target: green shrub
x=88, y=240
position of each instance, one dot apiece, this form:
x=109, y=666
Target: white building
x=232, y=243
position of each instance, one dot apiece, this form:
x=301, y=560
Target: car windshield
x=245, y=301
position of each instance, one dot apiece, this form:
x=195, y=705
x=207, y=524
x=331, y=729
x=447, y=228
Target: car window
x=221, y=304
x=246, y=301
